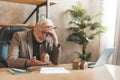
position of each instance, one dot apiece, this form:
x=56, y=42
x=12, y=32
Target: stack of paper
x=53, y=70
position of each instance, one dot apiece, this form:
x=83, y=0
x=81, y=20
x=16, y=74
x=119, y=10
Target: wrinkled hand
x=35, y=62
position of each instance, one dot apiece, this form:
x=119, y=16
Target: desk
x=107, y=72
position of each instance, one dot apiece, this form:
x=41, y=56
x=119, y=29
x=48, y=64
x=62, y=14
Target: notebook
x=103, y=58
x=19, y=71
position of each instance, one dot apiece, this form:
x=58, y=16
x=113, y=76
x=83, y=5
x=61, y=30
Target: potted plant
x=83, y=28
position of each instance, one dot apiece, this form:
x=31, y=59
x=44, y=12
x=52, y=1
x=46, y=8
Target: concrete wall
x=14, y=12
x=17, y=13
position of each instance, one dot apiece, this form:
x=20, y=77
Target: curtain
x=109, y=20
x=116, y=57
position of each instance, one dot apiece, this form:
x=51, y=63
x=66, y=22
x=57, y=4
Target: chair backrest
x=104, y=57
x=5, y=37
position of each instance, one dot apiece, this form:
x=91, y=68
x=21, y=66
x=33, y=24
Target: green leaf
x=95, y=25
x=76, y=22
x=92, y=36
x=74, y=29
x=82, y=26
x=85, y=57
x=88, y=55
x=79, y=38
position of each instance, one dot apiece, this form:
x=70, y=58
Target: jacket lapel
x=30, y=43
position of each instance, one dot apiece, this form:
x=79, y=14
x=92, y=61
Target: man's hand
x=35, y=62
x=54, y=36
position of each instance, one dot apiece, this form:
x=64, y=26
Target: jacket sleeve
x=13, y=59
x=55, y=53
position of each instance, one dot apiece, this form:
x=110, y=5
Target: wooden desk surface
x=107, y=72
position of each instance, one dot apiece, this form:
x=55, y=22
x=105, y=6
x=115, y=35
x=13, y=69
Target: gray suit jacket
x=21, y=49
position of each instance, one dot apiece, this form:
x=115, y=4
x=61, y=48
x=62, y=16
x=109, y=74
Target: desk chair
x=5, y=38
x=103, y=58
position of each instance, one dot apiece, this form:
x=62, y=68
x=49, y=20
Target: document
x=53, y=70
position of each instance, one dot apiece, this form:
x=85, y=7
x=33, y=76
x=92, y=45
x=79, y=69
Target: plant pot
x=83, y=64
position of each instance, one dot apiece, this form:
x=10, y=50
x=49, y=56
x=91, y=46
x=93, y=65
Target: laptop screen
x=104, y=57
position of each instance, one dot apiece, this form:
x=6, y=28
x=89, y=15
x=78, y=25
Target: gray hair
x=45, y=22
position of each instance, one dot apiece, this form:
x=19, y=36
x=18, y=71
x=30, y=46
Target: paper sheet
x=53, y=70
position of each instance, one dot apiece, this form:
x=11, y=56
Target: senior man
x=27, y=47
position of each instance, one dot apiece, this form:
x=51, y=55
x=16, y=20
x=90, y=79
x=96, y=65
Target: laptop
x=103, y=58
